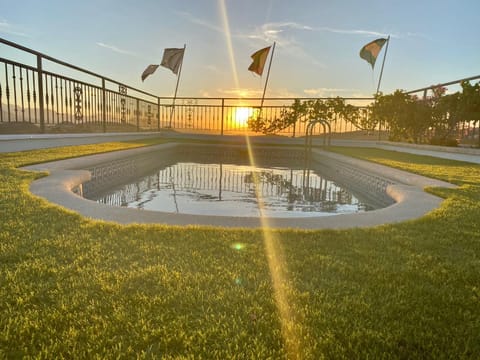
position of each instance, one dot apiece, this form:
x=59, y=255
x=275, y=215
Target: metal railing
x=31, y=94
x=425, y=90
x=229, y=115
x=51, y=101
x=84, y=101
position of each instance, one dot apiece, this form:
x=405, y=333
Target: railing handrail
x=74, y=67
x=443, y=84
x=257, y=98
x=11, y=62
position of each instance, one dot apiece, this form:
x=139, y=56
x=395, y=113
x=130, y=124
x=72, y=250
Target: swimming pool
x=221, y=181
x=69, y=178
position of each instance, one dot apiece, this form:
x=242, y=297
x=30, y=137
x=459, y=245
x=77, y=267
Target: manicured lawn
x=79, y=289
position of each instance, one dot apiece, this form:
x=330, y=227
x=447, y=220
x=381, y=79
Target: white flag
x=172, y=59
x=149, y=71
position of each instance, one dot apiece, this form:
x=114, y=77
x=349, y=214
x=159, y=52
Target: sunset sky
x=317, y=52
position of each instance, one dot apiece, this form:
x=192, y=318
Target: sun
x=242, y=114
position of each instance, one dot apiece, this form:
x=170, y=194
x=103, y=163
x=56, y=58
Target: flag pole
x=383, y=63
x=378, y=86
x=266, y=80
x=176, y=87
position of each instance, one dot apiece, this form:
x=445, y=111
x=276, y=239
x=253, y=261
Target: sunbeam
x=276, y=263
x=228, y=38
x=281, y=285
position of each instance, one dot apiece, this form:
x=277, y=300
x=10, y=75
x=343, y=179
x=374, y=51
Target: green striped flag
x=370, y=51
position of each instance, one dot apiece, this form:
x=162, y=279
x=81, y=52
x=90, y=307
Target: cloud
x=267, y=33
x=241, y=92
x=327, y=92
x=250, y=93
x=212, y=68
x=369, y=33
x=116, y=49
x=280, y=32
x=194, y=20
x=7, y=28
x=351, y=31
x=282, y=93
x=283, y=34
x=275, y=31
x=306, y=91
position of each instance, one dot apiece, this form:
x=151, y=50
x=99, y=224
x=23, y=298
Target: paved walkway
x=461, y=154
x=13, y=143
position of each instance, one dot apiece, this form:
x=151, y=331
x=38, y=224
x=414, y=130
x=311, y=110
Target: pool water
x=234, y=190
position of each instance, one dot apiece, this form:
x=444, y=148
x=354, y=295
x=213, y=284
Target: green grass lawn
x=79, y=289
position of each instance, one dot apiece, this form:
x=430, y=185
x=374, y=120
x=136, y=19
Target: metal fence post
x=221, y=125
x=138, y=114
x=41, y=105
x=158, y=114
x=104, y=107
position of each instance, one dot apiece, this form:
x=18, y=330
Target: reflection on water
x=232, y=190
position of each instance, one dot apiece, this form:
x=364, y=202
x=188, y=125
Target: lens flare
x=238, y=246
x=242, y=114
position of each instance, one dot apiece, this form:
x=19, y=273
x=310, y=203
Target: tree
x=316, y=109
x=288, y=117
x=362, y=118
x=408, y=117
x=446, y=115
x=320, y=110
x=469, y=101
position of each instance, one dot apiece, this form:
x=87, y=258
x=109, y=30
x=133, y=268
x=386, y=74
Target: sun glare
x=241, y=116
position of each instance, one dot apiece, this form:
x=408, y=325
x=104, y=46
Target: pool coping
x=411, y=200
